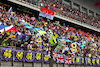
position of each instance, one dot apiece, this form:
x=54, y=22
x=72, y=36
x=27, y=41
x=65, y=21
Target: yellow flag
x=52, y=40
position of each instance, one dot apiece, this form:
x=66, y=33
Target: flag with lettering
x=19, y=55
x=38, y=56
x=6, y=54
x=29, y=56
x=77, y=60
x=88, y=61
x=93, y=61
x=97, y=61
x=60, y=58
x=46, y=58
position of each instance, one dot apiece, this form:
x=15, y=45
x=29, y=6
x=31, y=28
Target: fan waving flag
x=46, y=13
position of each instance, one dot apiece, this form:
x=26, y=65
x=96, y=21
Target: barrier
x=13, y=63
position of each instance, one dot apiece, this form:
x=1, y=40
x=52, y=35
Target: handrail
x=56, y=15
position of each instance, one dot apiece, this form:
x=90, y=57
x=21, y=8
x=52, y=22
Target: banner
x=6, y=54
x=38, y=56
x=19, y=55
x=77, y=60
x=89, y=61
x=46, y=58
x=60, y=58
x=46, y=13
x=98, y=61
x=29, y=56
x=67, y=60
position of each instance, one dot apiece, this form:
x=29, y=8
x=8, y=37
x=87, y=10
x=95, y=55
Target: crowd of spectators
x=63, y=9
x=29, y=40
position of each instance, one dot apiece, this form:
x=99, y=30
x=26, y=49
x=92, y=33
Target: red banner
x=50, y=12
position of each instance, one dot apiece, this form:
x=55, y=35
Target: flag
x=60, y=58
x=67, y=60
x=46, y=13
x=52, y=40
x=6, y=27
x=56, y=34
x=10, y=10
x=11, y=29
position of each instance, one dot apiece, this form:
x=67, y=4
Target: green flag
x=52, y=40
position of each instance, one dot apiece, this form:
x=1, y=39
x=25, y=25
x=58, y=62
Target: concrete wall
x=35, y=64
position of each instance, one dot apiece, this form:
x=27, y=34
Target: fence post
x=32, y=64
x=56, y=64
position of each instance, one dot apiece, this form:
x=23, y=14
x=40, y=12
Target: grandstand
x=44, y=33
